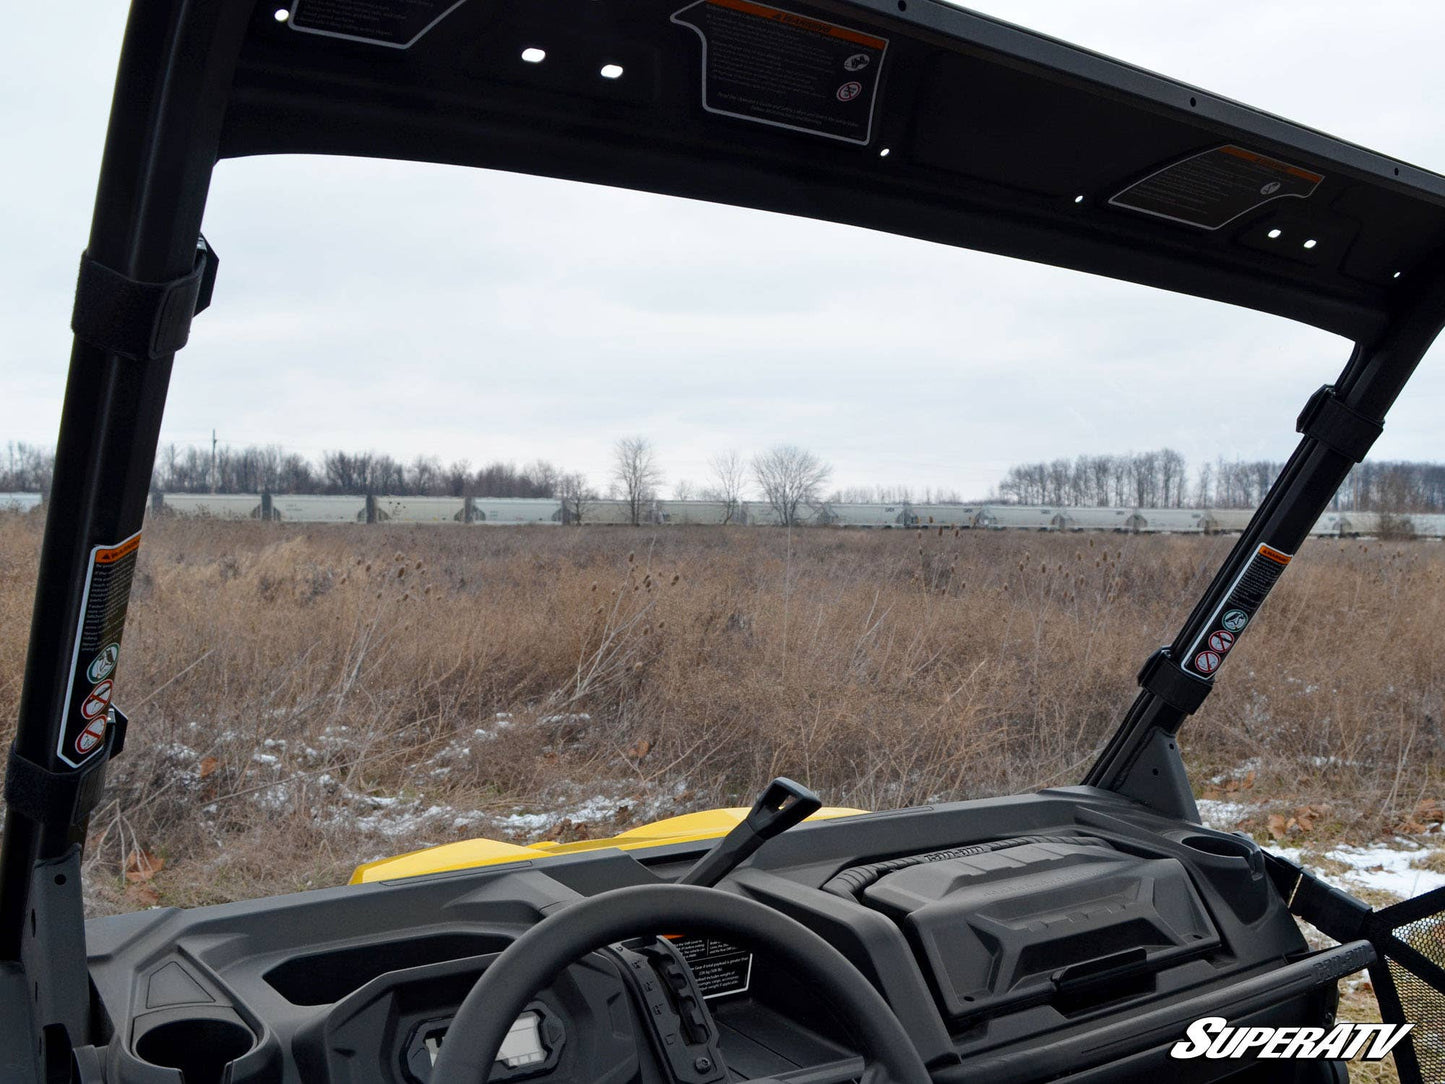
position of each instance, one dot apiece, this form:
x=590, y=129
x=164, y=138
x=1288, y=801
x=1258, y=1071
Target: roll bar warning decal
x=776, y=67
x=97, y=650
x=1245, y=596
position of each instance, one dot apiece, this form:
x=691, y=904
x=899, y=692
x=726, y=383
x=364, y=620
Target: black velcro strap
x=1338, y=426
x=140, y=320
x=46, y=797
x=1171, y=684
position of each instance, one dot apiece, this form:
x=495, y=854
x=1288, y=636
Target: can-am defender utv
x=1071, y=934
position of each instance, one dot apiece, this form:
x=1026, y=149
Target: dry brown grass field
x=307, y=698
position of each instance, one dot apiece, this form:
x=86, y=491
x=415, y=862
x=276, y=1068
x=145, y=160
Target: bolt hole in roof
x=611, y=71
x=883, y=153
x=1274, y=233
x=534, y=55
x=282, y=14
x=1311, y=243
x=1078, y=199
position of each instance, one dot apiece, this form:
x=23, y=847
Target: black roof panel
x=992, y=134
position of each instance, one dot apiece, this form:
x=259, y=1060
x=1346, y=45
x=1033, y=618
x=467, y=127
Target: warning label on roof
x=395, y=23
x=97, y=650
x=1245, y=596
x=1215, y=187
x=776, y=67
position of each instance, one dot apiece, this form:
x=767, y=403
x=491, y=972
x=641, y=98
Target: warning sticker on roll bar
x=1214, y=188
x=97, y=650
x=719, y=968
x=777, y=67
x=1245, y=596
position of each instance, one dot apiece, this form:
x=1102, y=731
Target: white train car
x=1021, y=517
x=520, y=511
x=609, y=513
x=944, y=515
x=1349, y=524
x=1095, y=519
x=318, y=508
x=213, y=505
x=760, y=514
x=1230, y=520
x=1176, y=521
x=420, y=509
x=860, y=514
x=19, y=502
x=1429, y=524
x=710, y=513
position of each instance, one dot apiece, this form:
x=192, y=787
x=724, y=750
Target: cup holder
x=200, y=1047
x=1219, y=846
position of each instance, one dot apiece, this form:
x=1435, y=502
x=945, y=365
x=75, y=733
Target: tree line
x=1162, y=479
x=789, y=478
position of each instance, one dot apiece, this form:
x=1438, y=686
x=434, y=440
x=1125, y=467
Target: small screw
x=702, y=1064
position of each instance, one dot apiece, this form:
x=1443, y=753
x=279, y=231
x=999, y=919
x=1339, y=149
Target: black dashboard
x=1065, y=934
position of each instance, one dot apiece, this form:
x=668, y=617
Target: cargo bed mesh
x=1410, y=937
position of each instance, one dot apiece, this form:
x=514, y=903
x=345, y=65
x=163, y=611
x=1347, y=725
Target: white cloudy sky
x=462, y=314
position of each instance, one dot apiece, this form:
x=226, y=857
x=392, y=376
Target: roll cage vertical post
x=142, y=270
x=1339, y=424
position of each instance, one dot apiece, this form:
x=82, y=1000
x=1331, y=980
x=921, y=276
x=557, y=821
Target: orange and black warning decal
x=777, y=67
x=1216, y=187
x=97, y=650
x=1208, y=652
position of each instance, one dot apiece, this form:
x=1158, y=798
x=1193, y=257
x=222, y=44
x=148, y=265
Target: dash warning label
x=718, y=967
x=97, y=650
x=793, y=71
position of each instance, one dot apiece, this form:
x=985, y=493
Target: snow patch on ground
x=1382, y=867
x=1223, y=816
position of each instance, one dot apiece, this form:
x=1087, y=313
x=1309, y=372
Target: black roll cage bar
x=145, y=272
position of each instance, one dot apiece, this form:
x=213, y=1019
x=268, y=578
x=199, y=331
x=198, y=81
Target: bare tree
x=576, y=496
x=635, y=470
x=727, y=477
x=682, y=491
x=790, y=478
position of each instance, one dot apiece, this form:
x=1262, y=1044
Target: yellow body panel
x=709, y=824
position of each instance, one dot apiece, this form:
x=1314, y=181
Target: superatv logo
x=1212, y=1037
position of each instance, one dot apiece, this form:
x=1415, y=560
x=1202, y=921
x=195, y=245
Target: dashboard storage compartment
x=1075, y=925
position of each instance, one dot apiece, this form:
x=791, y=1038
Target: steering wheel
x=532, y=961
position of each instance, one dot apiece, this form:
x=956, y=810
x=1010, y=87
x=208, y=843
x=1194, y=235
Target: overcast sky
x=463, y=314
